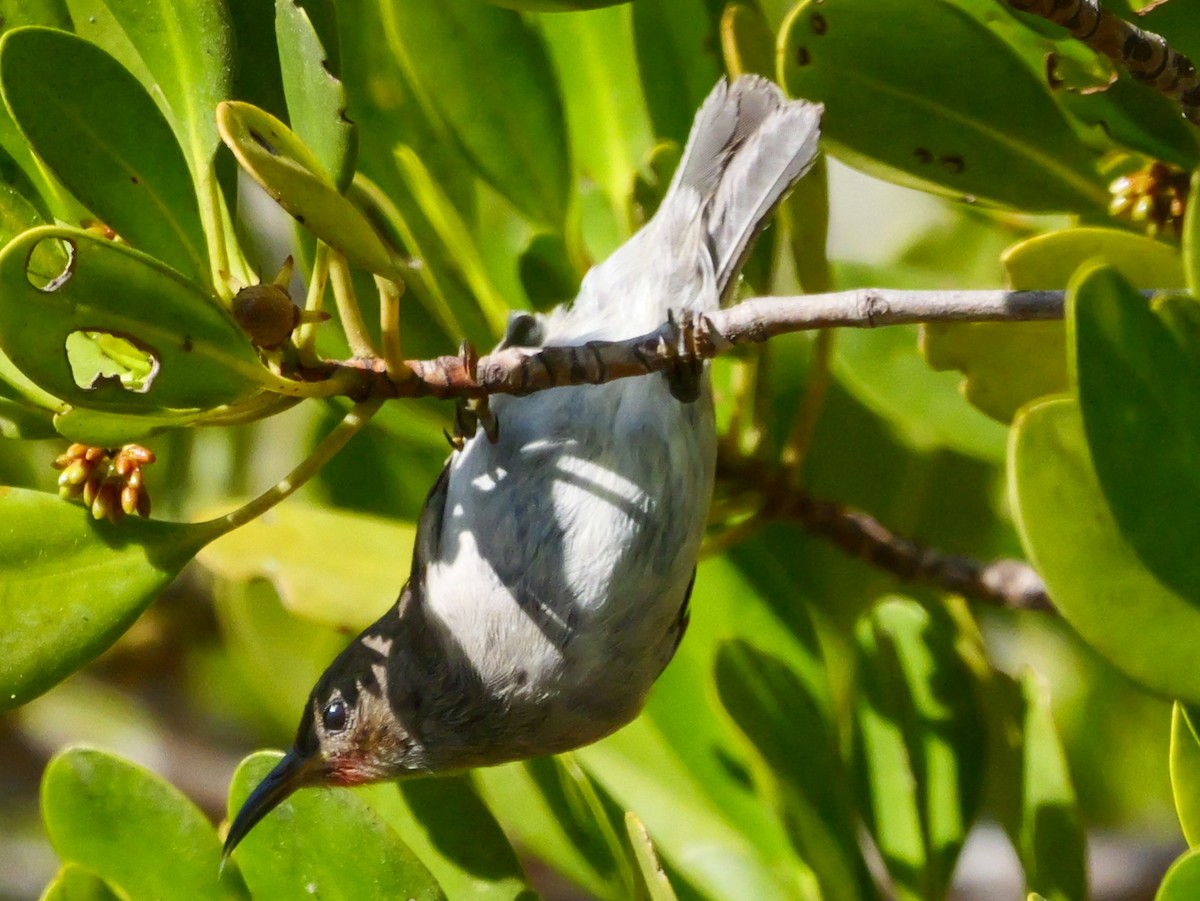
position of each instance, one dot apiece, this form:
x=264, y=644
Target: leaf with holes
x=138, y=832
x=316, y=97
x=295, y=178
x=287, y=855
x=102, y=136
x=157, y=342
x=989, y=131
x=69, y=586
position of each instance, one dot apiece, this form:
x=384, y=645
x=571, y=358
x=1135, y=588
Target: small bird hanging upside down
x=551, y=576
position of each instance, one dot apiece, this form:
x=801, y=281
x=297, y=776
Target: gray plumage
x=553, y=567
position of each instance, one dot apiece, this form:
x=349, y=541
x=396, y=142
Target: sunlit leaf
x=1182, y=881
x=655, y=882
x=1185, y=770
x=316, y=97
x=295, y=178
x=71, y=586
x=1191, y=239
x=1090, y=569
x=74, y=883
x=992, y=133
x=100, y=133
x=132, y=828
x=291, y=853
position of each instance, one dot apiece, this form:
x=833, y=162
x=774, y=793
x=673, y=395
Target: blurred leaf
x=1182, y=881
x=201, y=358
x=485, y=73
x=327, y=844
x=452, y=831
x=994, y=133
x=791, y=724
x=333, y=567
x=1176, y=21
x=103, y=137
x=1039, y=807
x=53, y=620
x=1185, y=770
x=607, y=121
x=316, y=97
x=1139, y=394
x=181, y=52
x=805, y=214
x=295, y=178
x=747, y=41
x=1191, y=239
x=546, y=272
x=549, y=804
x=1091, y=571
x=922, y=737
x=132, y=828
x=556, y=5
x=74, y=883
x=679, y=57
x=1006, y=365
x=655, y=883
x=460, y=247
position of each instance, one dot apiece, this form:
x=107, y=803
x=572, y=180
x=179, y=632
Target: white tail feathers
x=749, y=144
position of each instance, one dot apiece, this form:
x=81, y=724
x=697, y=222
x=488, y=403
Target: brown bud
x=266, y=313
x=142, y=456
x=129, y=499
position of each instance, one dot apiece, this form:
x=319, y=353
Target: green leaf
x=324, y=843
x=791, y=724
x=1037, y=807
x=921, y=740
x=547, y=275
x=679, y=59
x=71, y=586
x=316, y=97
x=1185, y=770
x=74, y=883
x=485, y=74
x=992, y=133
x=1191, y=239
x=1182, y=881
x=295, y=178
x=607, y=121
x=102, y=136
x=655, y=883
x=556, y=5
x=1006, y=365
x=311, y=554
x=452, y=831
x=198, y=355
x=132, y=828
x=1090, y=569
x=181, y=52
x=1139, y=393
x=747, y=41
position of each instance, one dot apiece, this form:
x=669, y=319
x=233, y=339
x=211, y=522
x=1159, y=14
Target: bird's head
x=352, y=732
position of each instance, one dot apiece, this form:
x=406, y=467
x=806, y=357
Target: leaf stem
x=306, y=337
x=353, y=325
x=389, y=328
x=360, y=414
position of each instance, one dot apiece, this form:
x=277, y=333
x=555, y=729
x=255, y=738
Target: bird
x=555, y=558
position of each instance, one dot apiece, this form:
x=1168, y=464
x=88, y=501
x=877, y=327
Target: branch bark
x=524, y=370
x=1145, y=55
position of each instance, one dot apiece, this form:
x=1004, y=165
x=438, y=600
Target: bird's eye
x=334, y=716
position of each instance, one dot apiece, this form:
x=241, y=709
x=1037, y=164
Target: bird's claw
x=472, y=412
x=685, y=364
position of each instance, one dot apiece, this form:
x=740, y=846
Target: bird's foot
x=685, y=366
x=472, y=412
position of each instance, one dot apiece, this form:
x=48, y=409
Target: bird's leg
x=685, y=366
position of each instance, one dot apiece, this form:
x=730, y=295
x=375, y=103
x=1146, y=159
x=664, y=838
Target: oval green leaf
x=71, y=586
x=191, y=353
x=1006, y=365
x=295, y=178
x=1090, y=569
x=324, y=843
x=132, y=828
x=316, y=97
x=484, y=72
x=1139, y=392
x=990, y=132
x=311, y=554
x=1182, y=882
x=74, y=883
x=1185, y=770
x=100, y=133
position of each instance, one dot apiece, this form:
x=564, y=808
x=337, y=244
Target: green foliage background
x=505, y=147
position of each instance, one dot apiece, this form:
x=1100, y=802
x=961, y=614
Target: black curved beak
x=292, y=772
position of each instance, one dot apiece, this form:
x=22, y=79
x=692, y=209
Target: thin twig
x=524, y=370
x=1145, y=55
x=353, y=325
